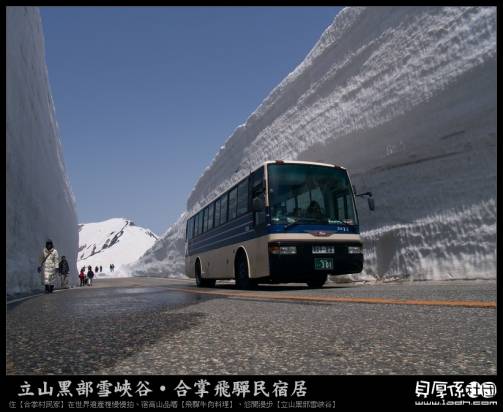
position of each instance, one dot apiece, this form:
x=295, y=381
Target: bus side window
x=190, y=228
x=233, y=202
x=196, y=225
x=243, y=197
x=205, y=221
x=199, y=222
x=223, y=209
x=258, y=196
x=217, y=212
x=211, y=209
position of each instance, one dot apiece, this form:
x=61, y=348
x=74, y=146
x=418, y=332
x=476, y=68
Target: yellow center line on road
x=328, y=299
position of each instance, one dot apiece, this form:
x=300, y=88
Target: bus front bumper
x=303, y=264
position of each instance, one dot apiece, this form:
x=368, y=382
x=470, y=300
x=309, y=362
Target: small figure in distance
x=82, y=277
x=90, y=276
x=63, y=271
x=49, y=265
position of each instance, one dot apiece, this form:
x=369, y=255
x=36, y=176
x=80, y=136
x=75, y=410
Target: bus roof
x=304, y=162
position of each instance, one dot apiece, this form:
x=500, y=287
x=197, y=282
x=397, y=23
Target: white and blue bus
x=287, y=221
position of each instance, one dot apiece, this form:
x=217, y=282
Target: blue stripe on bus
x=239, y=238
x=236, y=232
x=236, y=225
x=303, y=228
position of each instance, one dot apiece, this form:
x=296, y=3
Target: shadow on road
x=273, y=288
x=83, y=332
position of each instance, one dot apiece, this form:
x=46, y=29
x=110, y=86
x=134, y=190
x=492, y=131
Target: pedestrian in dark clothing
x=63, y=271
x=113, y=267
x=90, y=276
x=82, y=277
x=101, y=269
x=96, y=269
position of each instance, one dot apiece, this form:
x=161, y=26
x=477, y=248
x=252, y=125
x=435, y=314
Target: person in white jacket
x=49, y=261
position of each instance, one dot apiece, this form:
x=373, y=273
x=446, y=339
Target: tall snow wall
x=405, y=99
x=39, y=200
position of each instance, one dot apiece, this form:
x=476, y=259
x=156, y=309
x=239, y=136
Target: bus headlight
x=288, y=250
x=354, y=249
x=282, y=250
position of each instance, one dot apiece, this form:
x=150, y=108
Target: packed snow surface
x=405, y=99
x=114, y=241
x=39, y=201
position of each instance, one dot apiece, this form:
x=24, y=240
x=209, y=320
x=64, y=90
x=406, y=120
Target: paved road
x=162, y=326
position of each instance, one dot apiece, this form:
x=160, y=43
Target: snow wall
x=39, y=200
x=405, y=99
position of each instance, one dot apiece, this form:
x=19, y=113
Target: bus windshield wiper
x=315, y=221
x=302, y=220
x=288, y=225
x=339, y=222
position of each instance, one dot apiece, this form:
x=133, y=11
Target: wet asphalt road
x=147, y=326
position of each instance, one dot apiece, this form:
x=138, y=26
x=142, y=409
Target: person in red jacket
x=82, y=277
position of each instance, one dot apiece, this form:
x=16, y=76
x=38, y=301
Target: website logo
x=434, y=393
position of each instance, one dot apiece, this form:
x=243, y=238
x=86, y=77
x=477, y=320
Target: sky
x=145, y=96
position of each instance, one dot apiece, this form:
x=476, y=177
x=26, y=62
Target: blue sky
x=145, y=96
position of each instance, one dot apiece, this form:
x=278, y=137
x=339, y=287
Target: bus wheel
x=200, y=282
x=317, y=281
x=242, y=279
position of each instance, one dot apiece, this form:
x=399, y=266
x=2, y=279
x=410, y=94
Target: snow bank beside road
x=405, y=99
x=39, y=200
x=164, y=258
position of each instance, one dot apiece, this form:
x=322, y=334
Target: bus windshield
x=310, y=194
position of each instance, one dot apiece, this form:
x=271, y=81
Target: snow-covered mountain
x=117, y=241
x=405, y=99
x=39, y=200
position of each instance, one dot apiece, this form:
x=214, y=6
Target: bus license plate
x=323, y=249
x=323, y=264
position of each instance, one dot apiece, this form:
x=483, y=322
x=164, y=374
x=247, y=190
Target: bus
x=287, y=221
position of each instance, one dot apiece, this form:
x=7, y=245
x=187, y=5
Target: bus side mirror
x=258, y=204
x=372, y=205
x=370, y=200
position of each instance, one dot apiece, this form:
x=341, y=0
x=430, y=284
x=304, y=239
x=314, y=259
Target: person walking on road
x=63, y=271
x=90, y=276
x=101, y=268
x=49, y=265
x=82, y=277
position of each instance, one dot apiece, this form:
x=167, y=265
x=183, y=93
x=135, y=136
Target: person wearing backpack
x=49, y=265
x=63, y=271
x=90, y=276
